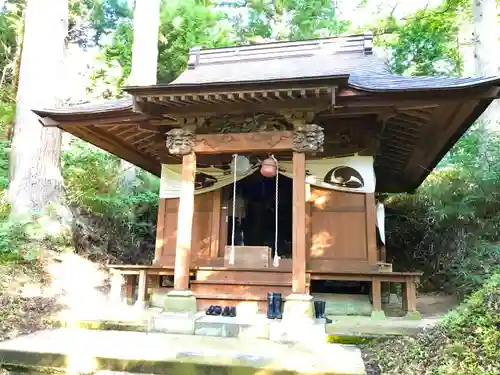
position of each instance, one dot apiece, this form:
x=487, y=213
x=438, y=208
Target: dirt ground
x=433, y=305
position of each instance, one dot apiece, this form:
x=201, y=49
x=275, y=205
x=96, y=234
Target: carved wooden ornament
x=308, y=138
x=180, y=141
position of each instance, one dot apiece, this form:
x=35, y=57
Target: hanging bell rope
x=276, y=258
x=231, y=255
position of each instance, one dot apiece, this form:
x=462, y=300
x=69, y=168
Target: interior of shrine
x=256, y=210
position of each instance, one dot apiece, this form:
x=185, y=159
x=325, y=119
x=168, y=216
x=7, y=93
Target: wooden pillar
x=299, y=224
x=129, y=288
x=409, y=296
x=377, y=294
x=142, y=288
x=185, y=222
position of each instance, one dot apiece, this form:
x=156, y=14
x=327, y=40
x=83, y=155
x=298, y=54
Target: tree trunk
x=35, y=173
x=486, y=45
x=144, y=62
x=145, y=46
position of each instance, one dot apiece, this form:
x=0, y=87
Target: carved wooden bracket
x=308, y=138
x=180, y=141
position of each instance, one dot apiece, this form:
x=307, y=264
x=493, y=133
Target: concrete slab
x=362, y=326
x=87, y=351
x=180, y=323
x=256, y=326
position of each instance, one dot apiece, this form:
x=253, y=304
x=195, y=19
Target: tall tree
x=486, y=47
x=144, y=61
x=35, y=176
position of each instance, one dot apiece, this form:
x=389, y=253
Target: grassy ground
x=467, y=342
x=23, y=306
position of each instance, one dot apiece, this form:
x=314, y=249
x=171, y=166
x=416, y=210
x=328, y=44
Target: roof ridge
x=361, y=43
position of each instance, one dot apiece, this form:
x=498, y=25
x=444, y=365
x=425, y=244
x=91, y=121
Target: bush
x=465, y=343
x=450, y=228
x=110, y=224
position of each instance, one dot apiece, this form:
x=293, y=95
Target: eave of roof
x=286, y=66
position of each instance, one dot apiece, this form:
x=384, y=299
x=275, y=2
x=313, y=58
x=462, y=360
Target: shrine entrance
x=255, y=213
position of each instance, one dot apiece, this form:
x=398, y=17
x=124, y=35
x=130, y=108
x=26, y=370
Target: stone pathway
x=82, y=350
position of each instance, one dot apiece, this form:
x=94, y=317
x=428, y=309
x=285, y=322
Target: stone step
x=86, y=351
x=245, y=306
x=221, y=326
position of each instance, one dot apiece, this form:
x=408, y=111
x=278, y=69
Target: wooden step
x=242, y=275
x=241, y=289
x=203, y=302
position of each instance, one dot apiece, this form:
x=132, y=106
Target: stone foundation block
x=378, y=315
x=231, y=327
x=178, y=323
x=180, y=301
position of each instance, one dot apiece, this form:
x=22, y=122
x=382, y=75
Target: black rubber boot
x=232, y=311
x=323, y=311
x=217, y=310
x=270, y=306
x=210, y=310
x=317, y=309
x=226, y=311
x=277, y=305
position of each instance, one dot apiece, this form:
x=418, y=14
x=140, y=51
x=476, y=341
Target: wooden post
x=185, y=223
x=129, y=291
x=299, y=224
x=377, y=294
x=142, y=288
x=410, y=296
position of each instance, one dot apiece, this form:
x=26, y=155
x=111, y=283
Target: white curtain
x=350, y=174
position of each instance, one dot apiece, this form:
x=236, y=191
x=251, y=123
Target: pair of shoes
x=319, y=311
x=217, y=310
x=214, y=310
x=229, y=311
x=274, y=305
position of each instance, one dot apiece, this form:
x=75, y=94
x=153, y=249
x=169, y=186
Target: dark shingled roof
x=351, y=57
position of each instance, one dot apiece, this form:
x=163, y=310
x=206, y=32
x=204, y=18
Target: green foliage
x=312, y=19
x=465, y=343
x=425, y=43
x=91, y=20
x=110, y=225
x=450, y=227
x=186, y=24
x=284, y=20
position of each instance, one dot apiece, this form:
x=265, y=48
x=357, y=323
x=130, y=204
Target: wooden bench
x=407, y=279
x=131, y=272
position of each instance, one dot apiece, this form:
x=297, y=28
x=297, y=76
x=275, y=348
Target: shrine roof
x=408, y=122
x=350, y=57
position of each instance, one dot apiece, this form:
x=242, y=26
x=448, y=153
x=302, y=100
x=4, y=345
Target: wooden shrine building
x=307, y=104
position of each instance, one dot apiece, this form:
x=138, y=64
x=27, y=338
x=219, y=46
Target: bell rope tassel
x=276, y=258
x=231, y=254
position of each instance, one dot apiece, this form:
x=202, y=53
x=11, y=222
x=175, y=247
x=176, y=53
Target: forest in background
x=449, y=228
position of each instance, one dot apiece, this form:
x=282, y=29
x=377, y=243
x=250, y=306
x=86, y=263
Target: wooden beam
x=109, y=143
x=243, y=142
x=123, y=120
x=312, y=104
x=185, y=223
x=299, y=224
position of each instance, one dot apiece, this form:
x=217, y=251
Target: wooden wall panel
x=205, y=237
x=338, y=235
x=339, y=230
